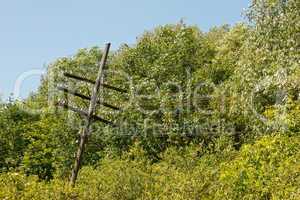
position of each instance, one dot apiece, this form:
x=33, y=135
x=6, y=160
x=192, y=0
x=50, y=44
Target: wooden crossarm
x=66, y=74
x=84, y=113
x=85, y=97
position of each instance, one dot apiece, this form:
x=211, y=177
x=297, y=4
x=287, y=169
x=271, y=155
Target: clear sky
x=34, y=33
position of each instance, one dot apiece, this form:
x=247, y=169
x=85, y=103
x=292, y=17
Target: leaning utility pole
x=89, y=116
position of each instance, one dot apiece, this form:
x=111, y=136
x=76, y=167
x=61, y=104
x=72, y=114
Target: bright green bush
x=267, y=169
x=251, y=77
x=14, y=123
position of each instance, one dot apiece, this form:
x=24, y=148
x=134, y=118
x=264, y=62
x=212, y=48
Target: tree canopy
x=227, y=98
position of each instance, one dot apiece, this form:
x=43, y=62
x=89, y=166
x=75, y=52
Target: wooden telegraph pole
x=89, y=116
x=91, y=112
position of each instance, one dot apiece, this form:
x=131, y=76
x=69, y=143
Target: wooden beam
x=97, y=118
x=92, y=107
x=84, y=113
x=66, y=106
x=66, y=74
x=73, y=92
x=114, y=88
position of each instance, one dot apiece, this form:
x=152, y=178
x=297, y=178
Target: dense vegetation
x=210, y=115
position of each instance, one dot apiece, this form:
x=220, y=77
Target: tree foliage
x=211, y=115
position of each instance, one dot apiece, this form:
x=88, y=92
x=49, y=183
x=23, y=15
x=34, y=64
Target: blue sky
x=34, y=33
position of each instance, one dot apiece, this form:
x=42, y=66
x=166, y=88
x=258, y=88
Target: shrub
x=268, y=169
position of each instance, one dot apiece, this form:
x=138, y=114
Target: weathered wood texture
x=93, y=82
x=89, y=118
x=86, y=97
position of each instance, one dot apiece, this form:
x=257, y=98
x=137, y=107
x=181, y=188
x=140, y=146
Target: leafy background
x=221, y=109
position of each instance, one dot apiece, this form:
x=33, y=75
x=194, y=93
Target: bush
x=267, y=169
